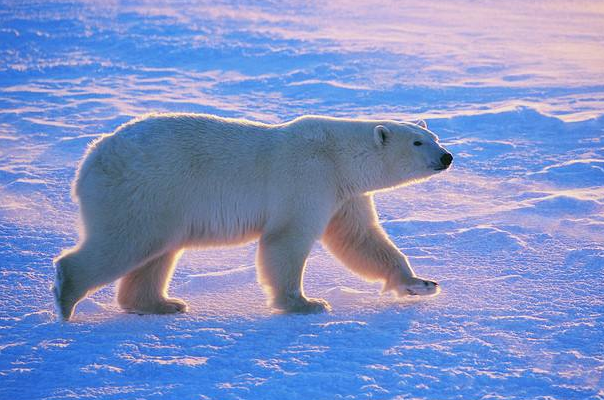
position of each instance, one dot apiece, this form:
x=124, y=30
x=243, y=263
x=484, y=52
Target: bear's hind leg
x=144, y=290
x=95, y=263
x=79, y=272
x=67, y=288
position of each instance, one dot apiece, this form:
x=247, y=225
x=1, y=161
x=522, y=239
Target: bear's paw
x=302, y=305
x=416, y=287
x=164, y=306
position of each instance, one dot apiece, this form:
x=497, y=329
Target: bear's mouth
x=440, y=168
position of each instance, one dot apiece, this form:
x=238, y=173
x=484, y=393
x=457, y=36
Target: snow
x=514, y=233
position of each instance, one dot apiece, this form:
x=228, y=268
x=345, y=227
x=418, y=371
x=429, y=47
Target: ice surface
x=514, y=233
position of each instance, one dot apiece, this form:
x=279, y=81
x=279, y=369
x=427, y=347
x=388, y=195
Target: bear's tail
x=83, y=169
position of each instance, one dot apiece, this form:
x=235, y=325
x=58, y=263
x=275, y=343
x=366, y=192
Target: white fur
x=163, y=183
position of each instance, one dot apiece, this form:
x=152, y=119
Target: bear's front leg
x=355, y=236
x=281, y=260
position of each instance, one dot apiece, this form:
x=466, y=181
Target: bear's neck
x=357, y=162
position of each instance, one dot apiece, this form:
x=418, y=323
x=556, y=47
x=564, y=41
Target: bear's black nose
x=446, y=159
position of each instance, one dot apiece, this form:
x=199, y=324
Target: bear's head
x=410, y=152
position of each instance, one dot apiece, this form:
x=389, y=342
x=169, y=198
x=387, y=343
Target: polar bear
x=166, y=182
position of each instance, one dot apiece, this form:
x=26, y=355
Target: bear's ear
x=420, y=122
x=380, y=135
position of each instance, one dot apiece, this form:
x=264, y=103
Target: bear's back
x=199, y=130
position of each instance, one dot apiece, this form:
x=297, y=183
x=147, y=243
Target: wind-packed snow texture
x=514, y=232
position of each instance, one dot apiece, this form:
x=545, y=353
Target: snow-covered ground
x=514, y=232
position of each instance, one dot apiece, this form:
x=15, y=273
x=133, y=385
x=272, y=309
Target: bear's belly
x=202, y=236
x=224, y=225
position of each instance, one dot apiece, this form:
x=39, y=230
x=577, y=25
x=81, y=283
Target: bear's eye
x=417, y=143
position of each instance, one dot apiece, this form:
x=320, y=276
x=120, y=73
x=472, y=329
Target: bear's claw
x=416, y=287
